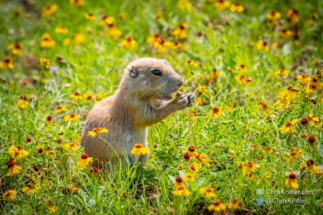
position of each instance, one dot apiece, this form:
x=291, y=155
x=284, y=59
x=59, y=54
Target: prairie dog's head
x=151, y=78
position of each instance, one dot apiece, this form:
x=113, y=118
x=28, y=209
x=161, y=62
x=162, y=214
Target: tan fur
x=138, y=103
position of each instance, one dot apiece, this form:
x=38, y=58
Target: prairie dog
x=142, y=99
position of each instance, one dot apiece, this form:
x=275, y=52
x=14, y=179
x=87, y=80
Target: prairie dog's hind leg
x=143, y=158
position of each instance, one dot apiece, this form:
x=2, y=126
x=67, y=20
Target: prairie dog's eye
x=156, y=72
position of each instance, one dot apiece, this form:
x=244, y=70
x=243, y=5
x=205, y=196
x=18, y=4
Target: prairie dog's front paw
x=190, y=99
x=180, y=102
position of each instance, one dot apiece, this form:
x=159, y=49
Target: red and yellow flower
x=72, y=117
x=13, y=169
x=263, y=45
x=71, y=145
x=202, y=159
x=7, y=63
x=85, y=159
x=129, y=42
x=60, y=108
x=9, y=194
x=139, y=149
x=180, y=31
x=282, y=72
x=17, y=152
x=15, y=48
x=89, y=16
x=288, y=126
x=181, y=190
x=236, y=7
x=61, y=30
x=248, y=169
x=184, y=4
x=208, y=191
x=97, y=130
x=291, y=181
x=222, y=4
x=113, y=31
x=49, y=9
x=216, y=111
x=76, y=96
x=217, y=206
x=46, y=41
x=273, y=15
x=292, y=15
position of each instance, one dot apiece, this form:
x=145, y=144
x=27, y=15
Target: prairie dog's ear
x=133, y=72
x=165, y=62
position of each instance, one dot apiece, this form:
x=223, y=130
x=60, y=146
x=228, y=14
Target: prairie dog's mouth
x=167, y=97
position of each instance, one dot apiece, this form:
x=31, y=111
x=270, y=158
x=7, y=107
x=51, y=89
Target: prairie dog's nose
x=180, y=80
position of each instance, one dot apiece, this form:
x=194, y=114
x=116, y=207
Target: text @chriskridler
x=272, y=196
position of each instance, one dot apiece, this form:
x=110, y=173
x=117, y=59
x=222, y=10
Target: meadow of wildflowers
x=255, y=68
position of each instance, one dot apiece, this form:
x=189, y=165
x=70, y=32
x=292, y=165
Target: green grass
x=240, y=134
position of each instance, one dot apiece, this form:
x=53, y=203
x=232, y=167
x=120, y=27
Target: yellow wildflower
x=263, y=45
x=184, y=4
x=88, y=96
x=85, y=159
x=71, y=145
x=139, y=149
x=208, y=191
x=180, y=31
x=273, y=15
x=200, y=159
x=15, y=48
x=60, y=108
x=113, y=31
x=288, y=126
x=217, y=206
x=17, y=152
x=97, y=130
x=99, y=97
x=189, y=177
x=31, y=188
x=78, y=3
x=235, y=204
x=241, y=79
x=291, y=181
x=248, y=169
x=46, y=41
x=191, y=150
x=201, y=88
x=48, y=10
x=22, y=104
x=242, y=68
x=129, y=42
x=76, y=95
x=9, y=194
x=222, y=4
x=191, y=62
x=71, y=117
x=282, y=71
x=181, y=190
x=13, y=169
x=236, y=7
x=106, y=19
x=7, y=63
x=285, y=33
x=292, y=15
x=89, y=16
x=61, y=29
x=215, y=112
